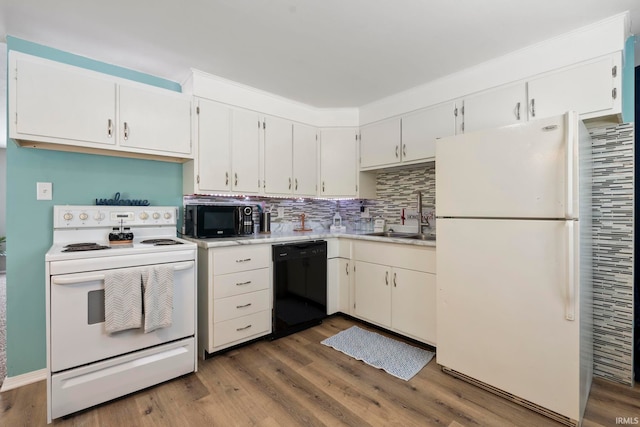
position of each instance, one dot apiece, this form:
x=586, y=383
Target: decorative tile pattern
x=613, y=200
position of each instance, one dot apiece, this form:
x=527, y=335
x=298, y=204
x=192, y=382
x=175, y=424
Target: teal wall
x=77, y=179
x=628, y=81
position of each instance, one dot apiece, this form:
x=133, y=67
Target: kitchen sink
x=422, y=237
x=391, y=234
x=415, y=236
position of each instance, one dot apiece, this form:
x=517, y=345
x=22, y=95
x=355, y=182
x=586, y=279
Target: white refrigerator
x=514, y=276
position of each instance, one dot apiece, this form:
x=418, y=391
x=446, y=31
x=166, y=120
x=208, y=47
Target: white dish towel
x=122, y=300
x=157, y=282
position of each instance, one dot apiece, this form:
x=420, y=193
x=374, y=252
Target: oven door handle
x=98, y=277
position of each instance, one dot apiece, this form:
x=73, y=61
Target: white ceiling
x=325, y=53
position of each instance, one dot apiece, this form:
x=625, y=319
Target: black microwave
x=205, y=221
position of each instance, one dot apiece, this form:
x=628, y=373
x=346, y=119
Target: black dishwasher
x=300, y=286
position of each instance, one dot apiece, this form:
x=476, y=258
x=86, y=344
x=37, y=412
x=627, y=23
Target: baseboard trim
x=10, y=383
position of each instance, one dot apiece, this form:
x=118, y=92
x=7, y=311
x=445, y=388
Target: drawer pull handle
x=243, y=283
x=243, y=306
x=243, y=260
x=242, y=329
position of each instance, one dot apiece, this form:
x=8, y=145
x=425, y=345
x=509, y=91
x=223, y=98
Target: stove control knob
x=84, y=216
x=167, y=215
x=68, y=216
x=144, y=216
x=99, y=216
x=156, y=215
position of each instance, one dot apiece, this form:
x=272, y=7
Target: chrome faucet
x=422, y=221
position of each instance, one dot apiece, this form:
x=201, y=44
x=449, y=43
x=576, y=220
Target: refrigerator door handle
x=569, y=153
x=570, y=298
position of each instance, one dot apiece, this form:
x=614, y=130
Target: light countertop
x=284, y=237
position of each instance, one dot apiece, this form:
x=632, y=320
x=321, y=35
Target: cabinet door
x=413, y=304
x=420, y=131
x=373, y=292
x=245, y=151
x=344, y=285
x=56, y=102
x=585, y=89
x=278, y=156
x=498, y=107
x=305, y=160
x=380, y=144
x=338, y=149
x=155, y=120
x=214, y=151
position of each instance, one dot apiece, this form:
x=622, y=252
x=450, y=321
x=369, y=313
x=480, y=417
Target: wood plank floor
x=296, y=381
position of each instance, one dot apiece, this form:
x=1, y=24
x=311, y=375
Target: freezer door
x=519, y=171
x=503, y=295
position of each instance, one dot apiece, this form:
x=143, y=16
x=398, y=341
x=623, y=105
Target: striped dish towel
x=122, y=300
x=157, y=282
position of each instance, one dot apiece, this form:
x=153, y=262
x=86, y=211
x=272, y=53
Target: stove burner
x=161, y=242
x=80, y=247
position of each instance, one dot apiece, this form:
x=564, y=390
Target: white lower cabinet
x=234, y=296
x=339, y=277
x=395, y=287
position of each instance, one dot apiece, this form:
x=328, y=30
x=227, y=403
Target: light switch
x=44, y=191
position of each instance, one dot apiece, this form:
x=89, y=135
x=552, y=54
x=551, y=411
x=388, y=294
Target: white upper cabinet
x=228, y=151
x=52, y=101
x=245, y=151
x=155, y=120
x=406, y=140
x=421, y=129
x=502, y=106
x=290, y=158
x=214, y=148
x=61, y=107
x=278, y=156
x=380, y=144
x=305, y=160
x=338, y=162
x=591, y=89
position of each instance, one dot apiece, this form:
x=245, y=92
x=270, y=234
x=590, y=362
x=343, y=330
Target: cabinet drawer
x=241, y=305
x=241, y=328
x=243, y=282
x=232, y=260
x=417, y=258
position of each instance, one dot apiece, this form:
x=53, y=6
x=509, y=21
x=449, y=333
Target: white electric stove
x=86, y=365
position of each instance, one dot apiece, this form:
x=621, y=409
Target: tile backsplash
x=396, y=189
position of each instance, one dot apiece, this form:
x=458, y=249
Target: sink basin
x=396, y=234
x=391, y=234
x=422, y=237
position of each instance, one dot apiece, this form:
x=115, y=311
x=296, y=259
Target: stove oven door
x=78, y=334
